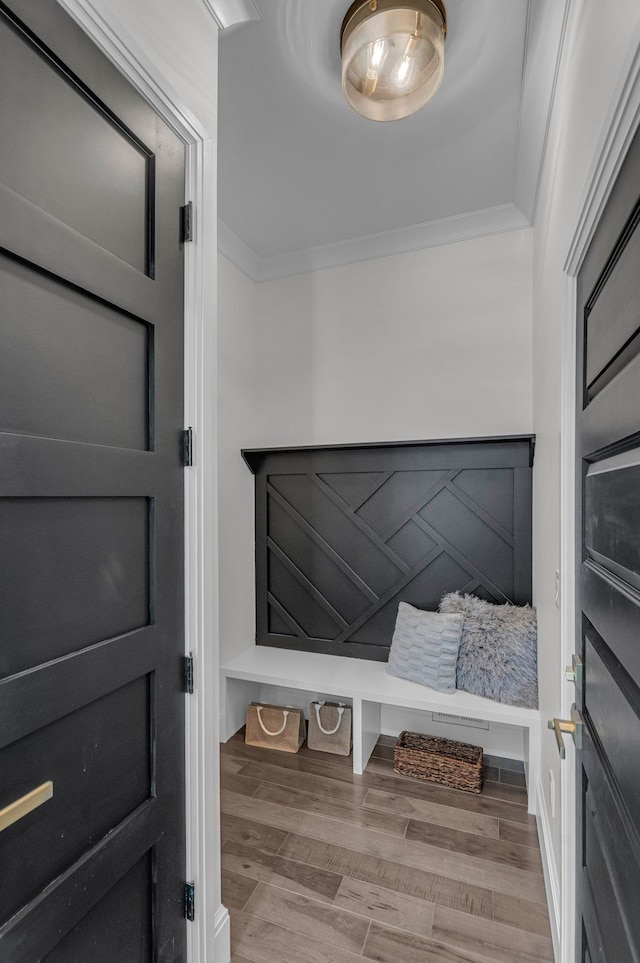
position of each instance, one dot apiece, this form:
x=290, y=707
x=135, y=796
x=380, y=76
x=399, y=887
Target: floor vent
x=459, y=720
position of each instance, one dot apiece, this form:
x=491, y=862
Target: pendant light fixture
x=392, y=55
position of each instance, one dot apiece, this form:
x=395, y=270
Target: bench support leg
x=366, y=732
x=532, y=764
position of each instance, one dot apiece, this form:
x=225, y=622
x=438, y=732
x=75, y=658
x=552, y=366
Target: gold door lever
x=22, y=807
x=574, y=672
x=573, y=725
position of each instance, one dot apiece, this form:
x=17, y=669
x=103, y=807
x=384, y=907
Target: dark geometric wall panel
x=345, y=533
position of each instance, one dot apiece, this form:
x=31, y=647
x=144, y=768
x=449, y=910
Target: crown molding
x=450, y=230
x=231, y=13
x=546, y=28
x=239, y=253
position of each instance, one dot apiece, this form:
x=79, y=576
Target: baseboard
x=502, y=762
x=550, y=869
x=222, y=935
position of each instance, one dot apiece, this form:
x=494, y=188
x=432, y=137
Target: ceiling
x=306, y=183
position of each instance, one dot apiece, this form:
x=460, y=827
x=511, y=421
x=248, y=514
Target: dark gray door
x=608, y=770
x=91, y=505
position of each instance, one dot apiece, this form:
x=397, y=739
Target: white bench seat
x=368, y=687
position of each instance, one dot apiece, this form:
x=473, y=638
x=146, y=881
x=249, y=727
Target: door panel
x=612, y=518
x=82, y=889
x=88, y=752
x=613, y=412
x=91, y=504
x=90, y=365
x=608, y=423
x=89, y=154
x=614, y=613
x=615, y=317
x=65, y=684
x=130, y=902
x=610, y=866
x=99, y=549
x=613, y=715
x=612, y=928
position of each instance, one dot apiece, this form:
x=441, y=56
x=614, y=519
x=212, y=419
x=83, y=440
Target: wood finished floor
x=321, y=866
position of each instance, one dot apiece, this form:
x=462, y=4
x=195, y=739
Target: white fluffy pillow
x=498, y=651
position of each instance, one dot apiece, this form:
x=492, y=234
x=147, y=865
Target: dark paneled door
x=608, y=770
x=91, y=506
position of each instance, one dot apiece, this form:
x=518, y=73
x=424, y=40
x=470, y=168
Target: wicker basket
x=454, y=764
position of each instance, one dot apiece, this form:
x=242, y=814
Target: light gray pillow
x=425, y=647
x=498, y=652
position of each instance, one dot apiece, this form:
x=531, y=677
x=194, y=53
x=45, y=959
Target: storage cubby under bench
x=367, y=686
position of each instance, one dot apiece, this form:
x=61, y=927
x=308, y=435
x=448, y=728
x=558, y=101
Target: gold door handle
x=22, y=807
x=574, y=672
x=573, y=725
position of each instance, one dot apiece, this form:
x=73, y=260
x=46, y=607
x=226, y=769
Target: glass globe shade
x=392, y=56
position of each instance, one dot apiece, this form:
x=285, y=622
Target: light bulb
x=377, y=54
x=379, y=51
x=404, y=68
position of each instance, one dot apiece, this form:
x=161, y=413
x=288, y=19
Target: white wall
x=590, y=70
x=238, y=415
x=421, y=345
x=431, y=344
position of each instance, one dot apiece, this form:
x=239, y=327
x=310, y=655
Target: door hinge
x=188, y=674
x=187, y=447
x=190, y=901
x=186, y=222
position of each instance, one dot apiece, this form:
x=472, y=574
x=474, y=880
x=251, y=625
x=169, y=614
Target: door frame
x=621, y=124
x=208, y=937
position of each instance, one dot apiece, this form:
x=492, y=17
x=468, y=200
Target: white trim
x=614, y=142
x=201, y=569
x=129, y=57
x=617, y=134
x=546, y=30
x=549, y=868
x=231, y=13
x=239, y=253
x=206, y=943
x=222, y=935
x=567, y=907
x=448, y=230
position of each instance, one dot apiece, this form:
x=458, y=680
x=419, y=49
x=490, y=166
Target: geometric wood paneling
x=343, y=534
